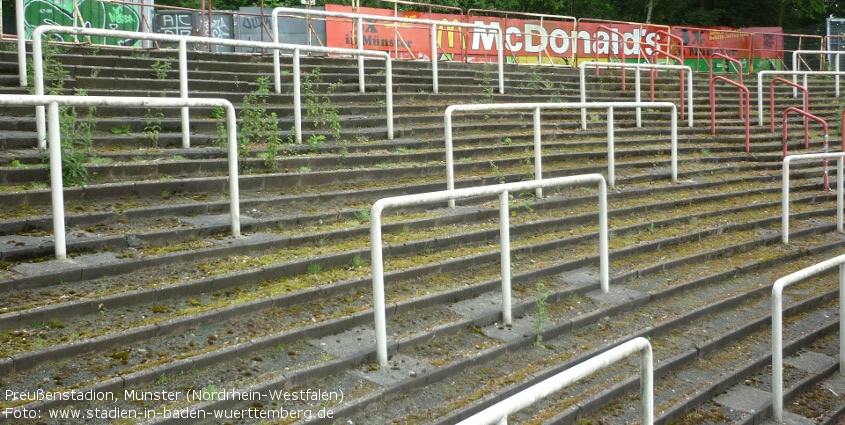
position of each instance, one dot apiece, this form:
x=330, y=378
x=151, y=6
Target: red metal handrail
x=462, y=32
x=801, y=42
x=701, y=52
x=814, y=118
x=742, y=89
x=669, y=44
x=727, y=58
x=621, y=42
x=806, y=106
x=654, y=55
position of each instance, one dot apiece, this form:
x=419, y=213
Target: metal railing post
x=795, y=75
x=538, y=152
x=583, y=90
x=297, y=96
x=501, y=58
x=777, y=324
x=183, y=93
x=841, y=315
x=743, y=94
x=806, y=130
x=777, y=354
x=20, y=19
x=377, y=264
x=434, y=84
x=360, y=35
x=55, y=150
x=784, y=204
x=359, y=18
x=448, y=137
x=806, y=105
x=638, y=90
x=619, y=42
x=498, y=413
x=797, y=53
x=673, y=124
x=450, y=161
x=56, y=185
x=505, y=256
x=611, y=150
x=388, y=87
x=39, y=71
x=234, y=185
x=38, y=76
x=376, y=244
x=840, y=203
x=604, y=255
x=277, y=74
x=638, y=96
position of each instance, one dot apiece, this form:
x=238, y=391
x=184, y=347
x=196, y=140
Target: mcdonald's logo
x=450, y=34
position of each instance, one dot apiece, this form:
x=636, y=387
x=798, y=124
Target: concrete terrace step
x=123, y=217
x=115, y=312
x=158, y=297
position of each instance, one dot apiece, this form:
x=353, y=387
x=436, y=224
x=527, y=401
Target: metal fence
x=502, y=191
x=55, y=145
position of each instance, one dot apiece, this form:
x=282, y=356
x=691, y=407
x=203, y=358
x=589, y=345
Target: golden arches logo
x=450, y=34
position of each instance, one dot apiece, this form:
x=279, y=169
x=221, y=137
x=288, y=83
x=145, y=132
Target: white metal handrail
x=796, y=67
x=795, y=75
x=359, y=23
x=55, y=145
x=538, y=152
x=784, y=221
x=38, y=68
x=502, y=190
x=498, y=413
x=637, y=67
x=777, y=325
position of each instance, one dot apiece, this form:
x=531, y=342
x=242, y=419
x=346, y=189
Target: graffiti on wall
x=91, y=14
x=221, y=27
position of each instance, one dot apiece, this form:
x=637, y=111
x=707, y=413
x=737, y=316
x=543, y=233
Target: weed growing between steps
x=77, y=142
x=76, y=133
x=486, y=84
x=239, y=294
x=320, y=109
x=257, y=125
x=160, y=69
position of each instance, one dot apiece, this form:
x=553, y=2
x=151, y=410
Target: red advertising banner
x=533, y=40
x=736, y=43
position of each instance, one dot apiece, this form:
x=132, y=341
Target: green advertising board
x=92, y=14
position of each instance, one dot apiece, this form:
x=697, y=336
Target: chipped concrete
x=75, y=263
x=522, y=328
x=489, y=302
x=745, y=399
x=811, y=362
x=790, y=418
x=616, y=295
x=583, y=277
x=398, y=369
x=218, y=220
x=354, y=340
x=836, y=384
